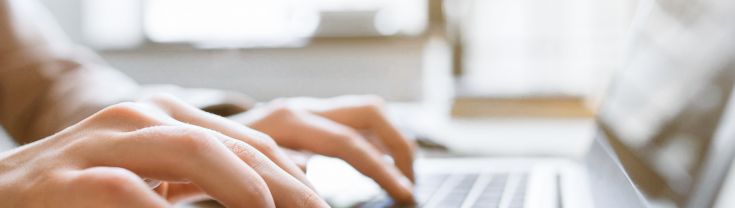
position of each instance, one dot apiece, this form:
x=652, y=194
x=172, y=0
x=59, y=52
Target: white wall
x=388, y=67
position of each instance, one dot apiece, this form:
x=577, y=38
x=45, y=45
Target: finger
x=365, y=113
x=181, y=153
x=110, y=186
x=287, y=190
x=400, y=147
x=375, y=141
x=327, y=137
x=175, y=192
x=186, y=113
x=299, y=157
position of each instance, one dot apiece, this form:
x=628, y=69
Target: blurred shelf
x=520, y=106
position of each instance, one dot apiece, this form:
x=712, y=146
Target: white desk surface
x=564, y=137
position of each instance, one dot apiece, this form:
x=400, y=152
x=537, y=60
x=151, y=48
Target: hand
x=100, y=161
x=352, y=128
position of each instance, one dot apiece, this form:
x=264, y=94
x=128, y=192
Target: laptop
x=664, y=138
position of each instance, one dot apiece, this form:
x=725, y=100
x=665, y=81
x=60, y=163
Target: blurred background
x=471, y=74
x=329, y=47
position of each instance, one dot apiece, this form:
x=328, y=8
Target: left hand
x=353, y=128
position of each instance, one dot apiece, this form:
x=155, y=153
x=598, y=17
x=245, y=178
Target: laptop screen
x=664, y=106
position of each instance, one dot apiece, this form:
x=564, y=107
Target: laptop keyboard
x=501, y=190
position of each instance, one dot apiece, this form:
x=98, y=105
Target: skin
x=352, y=128
x=101, y=160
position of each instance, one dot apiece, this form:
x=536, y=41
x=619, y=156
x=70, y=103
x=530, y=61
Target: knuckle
x=125, y=109
x=192, y=140
x=262, y=143
x=115, y=181
x=372, y=106
x=238, y=147
x=261, y=164
x=283, y=111
x=116, y=184
x=266, y=145
x=129, y=114
x=347, y=140
x=242, y=149
x=84, y=144
x=347, y=143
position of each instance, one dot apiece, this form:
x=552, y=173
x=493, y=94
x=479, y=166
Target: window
x=246, y=23
x=540, y=48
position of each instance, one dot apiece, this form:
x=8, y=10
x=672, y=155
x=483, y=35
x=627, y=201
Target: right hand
x=354, y=128
x=100, y=162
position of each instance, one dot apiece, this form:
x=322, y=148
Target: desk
x=564, y=137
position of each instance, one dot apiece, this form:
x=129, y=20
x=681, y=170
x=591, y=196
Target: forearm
x=43, y=98
x=46, y=82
